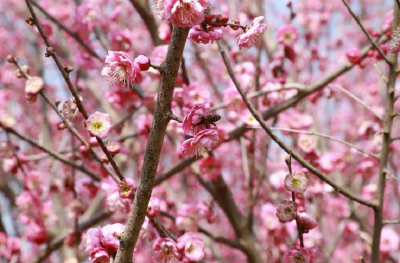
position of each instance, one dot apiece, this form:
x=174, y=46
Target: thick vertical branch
x=385, y=150
x=144, y=10
x=169, y=71
x=224, y=197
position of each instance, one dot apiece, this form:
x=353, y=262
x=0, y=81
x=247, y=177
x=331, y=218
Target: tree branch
x=57, y=242
x=67, y=79
x=366, y=32
x=385, y=150
x=298, y=158
x=52, y=153
x=169, y=71
x=271, y=112
x=144, y=10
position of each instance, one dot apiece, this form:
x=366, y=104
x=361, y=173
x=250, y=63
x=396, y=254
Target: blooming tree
x=199, y=131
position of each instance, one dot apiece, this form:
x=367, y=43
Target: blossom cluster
x=288, y=210
x=205, y=136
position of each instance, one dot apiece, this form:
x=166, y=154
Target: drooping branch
x=298, y=158
x=168, y=70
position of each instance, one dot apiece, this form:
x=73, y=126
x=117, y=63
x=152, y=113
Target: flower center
x=288, y=210
x=299, y=259
x=97, y=126
x=296, y=182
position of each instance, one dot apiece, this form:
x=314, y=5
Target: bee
x=209, y=119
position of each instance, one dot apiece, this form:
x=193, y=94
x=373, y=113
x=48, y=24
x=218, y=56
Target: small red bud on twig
x=49, y=51
x=68, y=69
x=29, y=21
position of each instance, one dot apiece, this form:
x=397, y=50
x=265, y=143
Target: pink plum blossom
x=201, y=35
x=296, y=182
x=70, y=110
x=287, y=35
x=203, y=141
x=297, y=254
x=192, y=246
x=98, y=124
x=121, y=70
x=166, y=251
x=182, y=13
x=193, y=118
x=252, y=34
x=210, y=168
x=286, y=211
x=354, y=55
x=306, y=222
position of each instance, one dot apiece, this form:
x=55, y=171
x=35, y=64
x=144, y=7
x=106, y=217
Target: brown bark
x=169, y=70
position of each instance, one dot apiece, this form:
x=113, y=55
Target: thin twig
x=366, y=32
x=391, y=222
x=52, y=153
x=298, y=158
x=325, y=136
x=354, y=97
x=70, y=85
x=271, y=112
x=385, y=149
x=67, y=30
x=383, y=77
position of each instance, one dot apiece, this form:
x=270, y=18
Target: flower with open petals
x=98, y=124
x=286, y=211
x=297, y=254
x=70, y=110
x=210, y=168
x=316, y=255
x=252, y=34
x=296, y=182
x=287, y=35
x=103, y=242
x=202, y=142
x=166, y=251
x=201, y=35
x=193, y=118
x=121, y=69
x=394, y=43
x=34, y=85
x=182, y=13
x=192, y=246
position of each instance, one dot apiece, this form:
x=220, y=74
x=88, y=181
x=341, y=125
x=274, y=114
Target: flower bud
x=143, y=61
x=61, y=126
x=11, y=59
x=93, y=142
x=29, y=21
x=49, y=52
